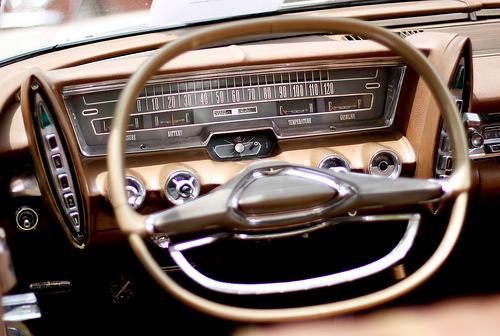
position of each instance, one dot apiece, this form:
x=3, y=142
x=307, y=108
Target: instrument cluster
x=240, y=113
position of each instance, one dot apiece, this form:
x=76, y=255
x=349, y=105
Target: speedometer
x=175, y=112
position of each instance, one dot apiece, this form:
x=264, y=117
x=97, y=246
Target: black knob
x=476, y=140
x=186, y=190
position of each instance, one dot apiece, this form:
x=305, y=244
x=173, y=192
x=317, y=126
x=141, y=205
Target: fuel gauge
x=248, y=145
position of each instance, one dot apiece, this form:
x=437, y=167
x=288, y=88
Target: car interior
x=326, y=160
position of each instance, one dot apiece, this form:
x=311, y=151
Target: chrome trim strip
x=384, y=263
x=20, y=307
x=421, y=20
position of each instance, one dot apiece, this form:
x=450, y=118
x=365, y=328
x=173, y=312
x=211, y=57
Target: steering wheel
x=248, y=206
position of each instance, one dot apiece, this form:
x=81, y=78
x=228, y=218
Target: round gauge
x=123, y=289
x=335, y=163
x=385, y=163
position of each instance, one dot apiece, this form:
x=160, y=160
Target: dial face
x=123, y=289
x=247, y=145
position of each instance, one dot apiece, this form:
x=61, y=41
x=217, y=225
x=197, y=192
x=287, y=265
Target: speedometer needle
x=122, y=290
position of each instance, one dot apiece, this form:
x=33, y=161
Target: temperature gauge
x=242, y=146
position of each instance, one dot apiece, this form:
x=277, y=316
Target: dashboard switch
x=52, y=141
x=445, y=163
x=135, y=192
x=476, y=140
x=57, y=161
x=26, y=219
x=63, y=181
x=181, y=187
x=75, y=220
x=70, y=200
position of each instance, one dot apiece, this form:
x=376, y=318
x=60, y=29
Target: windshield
x=30, y=25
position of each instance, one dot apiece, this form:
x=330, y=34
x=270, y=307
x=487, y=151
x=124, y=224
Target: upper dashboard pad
x=174, y=112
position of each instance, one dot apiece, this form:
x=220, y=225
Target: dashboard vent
x=352, y=38
x=406, y=33
x=402, y=34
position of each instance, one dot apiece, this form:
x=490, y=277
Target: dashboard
x=333, y=102
x=190, y=131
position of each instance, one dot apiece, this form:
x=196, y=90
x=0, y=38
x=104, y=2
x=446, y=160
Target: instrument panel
x=238, y=113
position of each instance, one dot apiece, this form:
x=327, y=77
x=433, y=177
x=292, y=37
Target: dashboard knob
x=26, y=219
x=185, y=188
x=476, y=140
x=135, y=192
x=181, y=187
x=239, y=147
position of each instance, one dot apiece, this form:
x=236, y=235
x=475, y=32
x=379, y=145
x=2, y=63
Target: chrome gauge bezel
x=144, y=137
x=341, y=163
x=392, y=169
x=174, y=184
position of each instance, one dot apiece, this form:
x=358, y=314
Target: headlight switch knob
x=181, y=187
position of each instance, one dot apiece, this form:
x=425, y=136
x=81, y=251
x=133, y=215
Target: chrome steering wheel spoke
x=276, y=196
x=397, y=254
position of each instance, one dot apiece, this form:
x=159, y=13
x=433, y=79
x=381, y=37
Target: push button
x=75, y=220
x=445, y=163
x=57, y=161
x=69, y=198
x=52, y=141
x=445, y=144
x=63, y=181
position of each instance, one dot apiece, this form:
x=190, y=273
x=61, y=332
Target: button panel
x=59, y=169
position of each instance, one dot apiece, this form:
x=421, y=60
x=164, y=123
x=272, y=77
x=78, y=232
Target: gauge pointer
x=122, y=290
